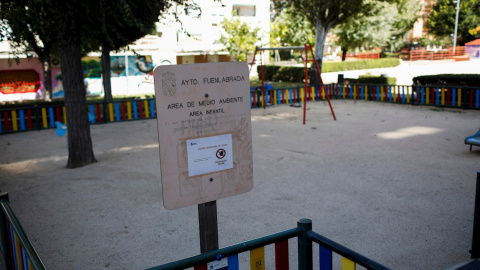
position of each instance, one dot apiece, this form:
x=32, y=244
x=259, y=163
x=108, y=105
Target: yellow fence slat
x=147, y=110
x=459, y=97
x=110, y=112
x=14, y=120
x=129, y=110
x=64, y=115
x=348, y=265
x=257, y=259
x=44, y=118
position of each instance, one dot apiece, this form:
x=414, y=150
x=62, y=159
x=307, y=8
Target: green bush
x=369, y=79
x=448, y=80
x=297, y=74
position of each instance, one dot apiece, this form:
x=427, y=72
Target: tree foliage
x=380, y=24
x=239, y=38
x=290, y=30
x=77, y=27
x=441, y=21
x=27, y=25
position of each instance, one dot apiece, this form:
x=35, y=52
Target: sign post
x=205, y=138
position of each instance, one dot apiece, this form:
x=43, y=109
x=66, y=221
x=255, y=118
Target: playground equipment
x=305, y=48
x=473, y=140
x=62, y=128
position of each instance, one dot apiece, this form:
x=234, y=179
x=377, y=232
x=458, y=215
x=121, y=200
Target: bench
x=473, y=140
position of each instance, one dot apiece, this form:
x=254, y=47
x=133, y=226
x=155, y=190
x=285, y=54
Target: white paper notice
x=209, y=154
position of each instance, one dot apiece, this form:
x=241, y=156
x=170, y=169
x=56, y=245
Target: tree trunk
x=80, y=151
x=321, y=32
x=344, y=53
x=47, y=78
x=107, y=75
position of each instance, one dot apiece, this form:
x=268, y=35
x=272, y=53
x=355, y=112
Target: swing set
x=307, y=48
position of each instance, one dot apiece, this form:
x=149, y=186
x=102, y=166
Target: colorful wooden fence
x=16, y=248
x=457, y=97
x=349, y=259
x=44, y=117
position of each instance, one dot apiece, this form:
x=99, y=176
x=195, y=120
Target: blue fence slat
x=14, y=250
x=350, y=91
x=378, y=93
x=117, y=111
x=325, y=255
x=362, y=92
x=51, y=117
x=25, y=259
x=135, y=113
x=290, y=95
x=233, y=262
x=1, y=122
x=477, y=98
x=22, y=119
x=390, y=96
x=152, y=108
x=422, y=95
x=279, y=96
x=437, y=97
x=454, y=99
x=92, y=112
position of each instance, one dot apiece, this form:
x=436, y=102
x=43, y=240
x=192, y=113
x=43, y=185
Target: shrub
x=448, y=80
x=297, y=74
x=369, y=79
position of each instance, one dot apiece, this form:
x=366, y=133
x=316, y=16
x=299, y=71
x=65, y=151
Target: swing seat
x=473, y=140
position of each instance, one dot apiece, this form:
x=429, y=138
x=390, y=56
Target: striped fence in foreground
x=44, y=117
x=305, y=239
x=17, y=251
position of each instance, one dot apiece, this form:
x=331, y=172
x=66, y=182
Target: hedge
x=297, y=74
x=368, y=79
x=448, y=79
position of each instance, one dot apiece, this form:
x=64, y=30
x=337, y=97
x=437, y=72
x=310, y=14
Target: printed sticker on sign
x=209, y=154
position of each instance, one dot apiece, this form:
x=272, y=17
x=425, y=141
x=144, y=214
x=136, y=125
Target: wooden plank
x=257, y=259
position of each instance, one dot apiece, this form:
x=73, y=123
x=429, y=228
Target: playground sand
x=393, y=182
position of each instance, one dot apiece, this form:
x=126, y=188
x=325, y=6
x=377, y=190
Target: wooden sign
x=204, y=132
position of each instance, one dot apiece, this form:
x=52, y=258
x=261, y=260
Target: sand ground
x=393, y=182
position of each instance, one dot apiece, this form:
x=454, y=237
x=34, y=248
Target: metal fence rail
x=16, y=248
x=305, y=237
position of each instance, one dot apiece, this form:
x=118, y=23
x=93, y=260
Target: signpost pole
x=207, y=219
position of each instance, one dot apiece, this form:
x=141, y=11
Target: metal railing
x=305, y=237
x=16, y=248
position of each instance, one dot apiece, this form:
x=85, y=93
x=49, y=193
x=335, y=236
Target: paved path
x=393, y=182
x=409, y=69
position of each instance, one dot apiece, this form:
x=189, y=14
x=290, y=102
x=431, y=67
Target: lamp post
x=456, y=27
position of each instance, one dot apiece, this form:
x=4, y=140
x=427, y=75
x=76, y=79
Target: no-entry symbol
x=221, y=153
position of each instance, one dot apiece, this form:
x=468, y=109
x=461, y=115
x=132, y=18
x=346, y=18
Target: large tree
x=238, y=37
x=290, y=30
x=27, y=26
x=378, y=25
x=76, y=24
x=323, y=15
x=441, y=21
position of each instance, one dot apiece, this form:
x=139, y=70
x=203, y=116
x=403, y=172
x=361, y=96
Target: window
x=244, y=10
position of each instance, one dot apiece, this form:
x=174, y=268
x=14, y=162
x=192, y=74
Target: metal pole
x=4, y=234
x=456, y=27
x=475, y=252
x=305, y=261
x=207, y=219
